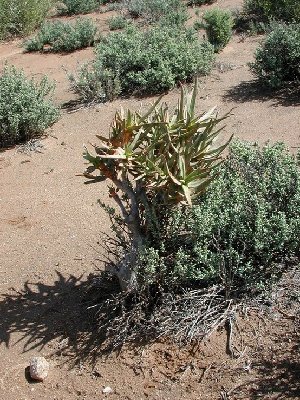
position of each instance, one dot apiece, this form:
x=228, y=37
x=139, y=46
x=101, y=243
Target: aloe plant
x=156, y=154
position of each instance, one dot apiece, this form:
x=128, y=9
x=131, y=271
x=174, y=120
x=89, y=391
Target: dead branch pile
x=187, y=316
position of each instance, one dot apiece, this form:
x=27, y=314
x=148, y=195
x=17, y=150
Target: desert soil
x=51, y=235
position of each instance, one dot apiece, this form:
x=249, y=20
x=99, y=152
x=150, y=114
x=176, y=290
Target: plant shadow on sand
x=277, y=376
x=253, y=91
x=41, y=313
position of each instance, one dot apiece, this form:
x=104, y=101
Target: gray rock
x=39, y=368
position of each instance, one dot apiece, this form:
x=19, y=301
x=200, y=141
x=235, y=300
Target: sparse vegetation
x=61, y=36
x=25, y=108
x=95, y=84
x=21, y=17
x=72, y=7
x=218, y=25
x=200, y=2
x=256, y=15
x=152, y=11
x=277, y=60
x=117, y=22
x=250, y=24
x=151, y=61
x=199, y=231
x=268, y=10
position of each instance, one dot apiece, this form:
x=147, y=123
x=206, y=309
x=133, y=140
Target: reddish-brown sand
x=50, y=242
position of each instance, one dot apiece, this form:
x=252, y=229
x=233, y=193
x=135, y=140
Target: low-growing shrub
x=200, y=2
x=117, y=22
x=61, y=36
x=250, y=23
x=240, y=232
x=25, y=108
x=198, y=24
x=218, y=26
x=72, y=7
x=266, y=10
x=277, y=60
x=95, y=84
x=149, y=61
x=169, y=11
x=256, y=15
x=21, y=17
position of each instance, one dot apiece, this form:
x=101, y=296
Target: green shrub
x=114, y=6
x=277, y=60
x=218, y=26
x=150, y=61
x=117, y=22
x=200, y=2
x=240, y=232
x=256, y=15
x=266, y=10
x=170, y=11
x=198, y=24
x=79, y=6
x=250, y=23
x=21, y=17
x=61, y=36
x=94, y=84
x=25, y=108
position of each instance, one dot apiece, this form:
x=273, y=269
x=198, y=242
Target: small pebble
x=107, y=390
x=39, y=368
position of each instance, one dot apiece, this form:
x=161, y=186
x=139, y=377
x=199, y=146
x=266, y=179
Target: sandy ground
x=50, y=235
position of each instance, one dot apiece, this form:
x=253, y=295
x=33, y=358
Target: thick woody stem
x=126, y=268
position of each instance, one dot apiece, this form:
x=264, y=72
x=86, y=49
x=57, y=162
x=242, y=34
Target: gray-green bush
x=21, y=17
x=266, y=10
x=25, y=107
x=117, y=22
x=167, y=11
x=240, y=232
x=200, y=2
x=277, y=60
x=218, y=25
x=236, y=242
x=79, y=6
x=61, y=36
x=256, y=15
x=149, y=61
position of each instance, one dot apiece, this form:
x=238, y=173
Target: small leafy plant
x=72, y=7
x=95, y=84
x=151, y=61
x=218, y=26
x=21, y=17
x=168, y=11
x=200, y=2
x=117, y=22
x=257, y=15
x=268, y=10
x=277, y=60
x=25, y=108
x=61, y=36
